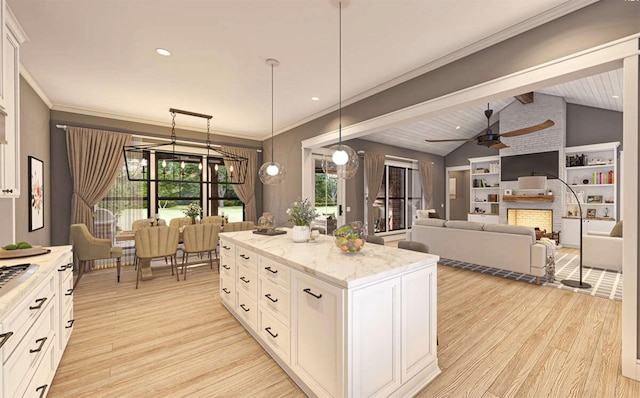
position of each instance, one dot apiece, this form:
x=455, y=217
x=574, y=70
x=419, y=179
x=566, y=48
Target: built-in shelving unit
x=485, y=189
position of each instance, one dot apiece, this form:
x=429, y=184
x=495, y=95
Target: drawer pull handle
x=41, y=340
x=226, y=247
x=308, y=291
x=224, y=289
x=40, y=302
x=268, y=295
x=69, y=292
x=271, y=270
x=43, y=388
x=245, y=280
x=5, y=337
x=244, y=308
x=245, y=257
x=268, y=329
x=70, y=324
x=70, y=265
x=62, y=268
x=225, y=266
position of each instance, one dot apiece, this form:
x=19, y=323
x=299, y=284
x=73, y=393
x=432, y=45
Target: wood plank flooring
x=498, y=338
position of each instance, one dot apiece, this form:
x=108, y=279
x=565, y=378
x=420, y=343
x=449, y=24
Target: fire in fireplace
x=536, y=218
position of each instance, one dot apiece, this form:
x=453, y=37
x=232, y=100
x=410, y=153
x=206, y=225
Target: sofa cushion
x=616, y=232
x=511, y=229
x=472, y=225
x=430, y=222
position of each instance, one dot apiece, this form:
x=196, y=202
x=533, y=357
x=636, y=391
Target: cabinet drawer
x=275, y=298
x=247, y=309
x=22, y=365
x=41, y=382
x=274, y=271
x=66, y=326
x=247, y=281
x=25, y=314
x=247, y=258
x=65, y=270
x=227, y=248
x=66, y=293
x=228, y=291
x=275, y=334
x=227, y=267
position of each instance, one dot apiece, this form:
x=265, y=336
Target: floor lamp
x=538, y=180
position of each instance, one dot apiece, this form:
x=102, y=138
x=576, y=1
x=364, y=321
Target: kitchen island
x=340, y=324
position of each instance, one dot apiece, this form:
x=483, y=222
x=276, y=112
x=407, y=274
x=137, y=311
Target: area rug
x=604, y=283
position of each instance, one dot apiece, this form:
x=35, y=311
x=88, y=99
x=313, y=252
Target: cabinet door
x=419, y=297
x=375, y=339
x=570, y=233
x=603, y=226
x=317, y=333
x=10, y=151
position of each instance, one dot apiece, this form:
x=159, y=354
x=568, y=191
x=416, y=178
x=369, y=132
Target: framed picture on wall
x=36, y=193
x=591, y=213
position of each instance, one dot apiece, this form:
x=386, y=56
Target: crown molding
x=35, y=86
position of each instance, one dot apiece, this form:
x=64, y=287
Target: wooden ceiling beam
x=525, y=98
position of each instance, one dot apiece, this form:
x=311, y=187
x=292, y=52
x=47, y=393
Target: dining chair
x=180, y=222
x=238, y=226
x=87, y=248
x=213, y=220
x=199, y=239
x=157, y=242
x=378, y=240
x=415, y=246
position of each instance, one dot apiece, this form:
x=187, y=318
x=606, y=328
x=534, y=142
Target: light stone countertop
x=46, y=261
x=324, y=260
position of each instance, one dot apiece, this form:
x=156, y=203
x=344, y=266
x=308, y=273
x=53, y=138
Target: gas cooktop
x=12, y=276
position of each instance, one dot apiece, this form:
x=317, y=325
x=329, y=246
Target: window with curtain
x=223, y=200
x=399, y=197
x=173, y=197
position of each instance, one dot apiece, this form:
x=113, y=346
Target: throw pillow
x=616, y=232
x=426, y=213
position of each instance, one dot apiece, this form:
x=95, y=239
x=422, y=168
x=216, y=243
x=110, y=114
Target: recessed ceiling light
x=164, y=52
x=615, y=96
x=457, y=127
x=315, y=98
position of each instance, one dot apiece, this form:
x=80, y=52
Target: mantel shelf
x=528, y=198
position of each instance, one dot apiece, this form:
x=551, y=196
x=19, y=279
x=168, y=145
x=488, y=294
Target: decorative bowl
x=350, y=237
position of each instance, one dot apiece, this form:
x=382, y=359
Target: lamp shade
x=271, y=173
x=346, y=170
x=538, y=183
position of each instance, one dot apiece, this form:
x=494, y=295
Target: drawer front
x=247, y=258
x=67, y=293
x=22, y=365
x=247, y=309
x=41, y=382
x=66, y=327
x=227, y=267
x=274, y=271
x=227, y=248
x=228, y=292
x=275, y=334
x=274, y=298
x=26, y=313
x=247, y=281
x=65, y=270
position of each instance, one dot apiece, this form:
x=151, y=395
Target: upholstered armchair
x=87, y=248
x=602, y=250
x=156, y=242
x=199, y=238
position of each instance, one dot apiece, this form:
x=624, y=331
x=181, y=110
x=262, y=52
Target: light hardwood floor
x=497, y=338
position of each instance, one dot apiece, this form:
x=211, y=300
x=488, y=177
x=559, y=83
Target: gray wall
x=587, y=125
x=34, y=141
x=61, y=180
x=596, y=24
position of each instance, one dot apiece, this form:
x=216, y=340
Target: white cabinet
x=36, y=329
x=317, y=334
x=570, y=235
x=484, y=218
x=13, y=36
x=485, y=187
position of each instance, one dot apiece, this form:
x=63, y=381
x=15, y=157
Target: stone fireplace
x=536, y=218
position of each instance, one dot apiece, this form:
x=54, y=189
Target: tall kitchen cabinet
x=13, y=36
x=592, y=172
x=485, y=190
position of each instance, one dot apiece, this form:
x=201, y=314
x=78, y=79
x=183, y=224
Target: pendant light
x=344, y=157
x=271, y=173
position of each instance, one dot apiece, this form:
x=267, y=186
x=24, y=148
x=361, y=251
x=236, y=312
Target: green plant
x=302, y=212
x=193, y=210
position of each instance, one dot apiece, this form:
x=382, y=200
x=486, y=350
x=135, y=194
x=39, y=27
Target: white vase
x=300, y=233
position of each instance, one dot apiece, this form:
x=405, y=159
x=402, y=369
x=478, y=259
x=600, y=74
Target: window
x=326, y=192
x=223, y=199
x=399, y=197
x=174, y=197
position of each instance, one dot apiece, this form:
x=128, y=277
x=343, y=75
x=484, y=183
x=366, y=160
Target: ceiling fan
x=491, y=140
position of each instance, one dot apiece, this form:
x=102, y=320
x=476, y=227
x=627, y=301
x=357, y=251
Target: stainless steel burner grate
x=11, y=276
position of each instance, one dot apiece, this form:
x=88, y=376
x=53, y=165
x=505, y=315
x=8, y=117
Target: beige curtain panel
x=247, y=191
x=374, y=166
x=426, y=179
x=95, y=158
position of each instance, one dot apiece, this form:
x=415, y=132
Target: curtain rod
x=64, y=127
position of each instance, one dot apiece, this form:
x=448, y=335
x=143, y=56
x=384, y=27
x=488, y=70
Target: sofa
x=603, y=250
x=508, y=247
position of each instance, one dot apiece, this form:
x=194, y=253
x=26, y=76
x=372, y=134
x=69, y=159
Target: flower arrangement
x=193, y=210
x=301, y=212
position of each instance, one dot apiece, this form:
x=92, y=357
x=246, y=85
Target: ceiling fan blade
x=499, y=145
x=452, y=140
x=530, y=129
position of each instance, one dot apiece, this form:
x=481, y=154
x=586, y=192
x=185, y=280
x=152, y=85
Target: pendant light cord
x=272, y=158
x=340, y=78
